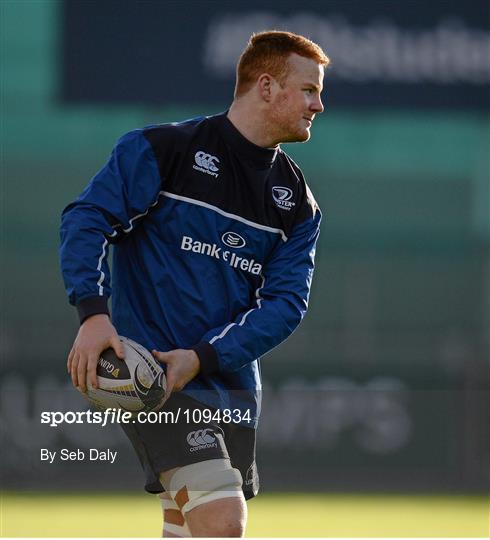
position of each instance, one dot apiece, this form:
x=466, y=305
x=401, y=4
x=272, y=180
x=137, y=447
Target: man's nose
x=317, y=106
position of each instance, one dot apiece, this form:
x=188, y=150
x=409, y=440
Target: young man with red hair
x=214, y=232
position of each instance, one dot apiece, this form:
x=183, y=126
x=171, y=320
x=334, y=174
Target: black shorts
x=167, y=444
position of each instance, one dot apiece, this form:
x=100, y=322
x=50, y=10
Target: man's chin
x=299, y=136
x=303, y=135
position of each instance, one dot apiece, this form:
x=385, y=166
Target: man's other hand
x=94, y=336
x=182, y=366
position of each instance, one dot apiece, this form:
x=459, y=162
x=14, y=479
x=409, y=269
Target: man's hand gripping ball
x=94, y=336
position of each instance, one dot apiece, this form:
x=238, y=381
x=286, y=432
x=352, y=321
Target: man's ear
x=266, y=84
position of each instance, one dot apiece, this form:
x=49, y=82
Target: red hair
x=267, y=52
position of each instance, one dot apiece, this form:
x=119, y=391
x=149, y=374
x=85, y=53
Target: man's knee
x=220, y=518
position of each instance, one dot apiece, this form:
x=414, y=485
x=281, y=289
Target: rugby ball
x=134, y=384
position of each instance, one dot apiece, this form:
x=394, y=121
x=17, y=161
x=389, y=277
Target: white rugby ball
x=134, y=384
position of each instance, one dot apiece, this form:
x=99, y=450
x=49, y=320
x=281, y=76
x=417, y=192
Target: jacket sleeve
x=116, y=198
x=281, y=303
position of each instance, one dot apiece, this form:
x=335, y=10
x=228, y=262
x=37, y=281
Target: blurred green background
x=383, y=387
x=270, y=515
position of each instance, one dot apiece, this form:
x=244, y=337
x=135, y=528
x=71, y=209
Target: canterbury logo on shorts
x=201, y=439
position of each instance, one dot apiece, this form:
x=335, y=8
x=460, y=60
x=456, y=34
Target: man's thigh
x=169, y=445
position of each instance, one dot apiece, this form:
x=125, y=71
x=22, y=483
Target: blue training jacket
x=214, y=242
